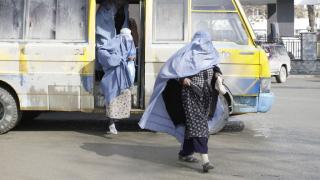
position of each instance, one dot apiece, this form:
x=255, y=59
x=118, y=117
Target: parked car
x=279, y=60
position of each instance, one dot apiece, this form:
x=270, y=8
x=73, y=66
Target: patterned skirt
x=196, y=105
x=120, y=107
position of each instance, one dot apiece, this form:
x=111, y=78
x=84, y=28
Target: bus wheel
x=219, y=125
x=9, y=111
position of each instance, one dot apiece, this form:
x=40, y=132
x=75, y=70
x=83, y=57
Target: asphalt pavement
x=281, y=144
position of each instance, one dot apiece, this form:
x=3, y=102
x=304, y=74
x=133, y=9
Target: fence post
x=308, y=46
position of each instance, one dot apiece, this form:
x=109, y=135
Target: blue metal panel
x=265, y=102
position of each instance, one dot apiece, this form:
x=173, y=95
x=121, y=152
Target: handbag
x=132, y=70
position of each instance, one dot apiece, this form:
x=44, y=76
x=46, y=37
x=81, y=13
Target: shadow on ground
x=167, y=156
x=75, y=122
x=95, y=124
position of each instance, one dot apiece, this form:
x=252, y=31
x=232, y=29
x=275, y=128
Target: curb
x=303, y=76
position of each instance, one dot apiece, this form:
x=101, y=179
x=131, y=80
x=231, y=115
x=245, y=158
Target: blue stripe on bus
x=243, y=86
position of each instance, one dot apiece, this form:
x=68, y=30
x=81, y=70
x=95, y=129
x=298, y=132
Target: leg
x=200, y=145
x=206, y=163
x=187, y=151
x=112, y=126
x=205, y=158
x=110, y=121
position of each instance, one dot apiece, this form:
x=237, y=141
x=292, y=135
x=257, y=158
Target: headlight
x=265, y=85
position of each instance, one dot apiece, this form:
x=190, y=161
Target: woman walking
x=198, y=97
x=108, y=23
x=117, y=80
x=185, y=102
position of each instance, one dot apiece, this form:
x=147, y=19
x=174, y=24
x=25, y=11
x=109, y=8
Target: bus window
x=212, y=5
x=42, y=19
x=57, y=20
x=169, y=20
x=71, y=20
x=222, y=26
x=11, y=18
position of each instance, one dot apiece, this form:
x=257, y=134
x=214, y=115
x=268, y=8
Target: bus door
x=136, y=25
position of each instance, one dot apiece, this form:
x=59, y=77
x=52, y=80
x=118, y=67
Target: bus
x=47, y=54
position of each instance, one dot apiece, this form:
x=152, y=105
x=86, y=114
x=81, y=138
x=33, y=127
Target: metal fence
x=293, y=46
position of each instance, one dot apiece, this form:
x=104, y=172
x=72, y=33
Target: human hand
x=218, y=75
x=186, y=82
x=131, y=58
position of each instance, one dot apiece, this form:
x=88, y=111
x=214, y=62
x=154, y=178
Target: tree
x=312, y=17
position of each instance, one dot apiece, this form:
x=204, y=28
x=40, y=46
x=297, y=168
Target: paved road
x=282, y=144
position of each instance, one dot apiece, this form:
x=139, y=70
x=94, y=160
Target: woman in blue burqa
x=185, y=101
x=116, y=82
x=112, y=15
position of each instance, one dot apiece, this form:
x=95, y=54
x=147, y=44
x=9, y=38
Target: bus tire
x=224, y=119
x=9, y=111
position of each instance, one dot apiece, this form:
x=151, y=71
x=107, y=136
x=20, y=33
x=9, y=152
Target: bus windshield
x=224, y=26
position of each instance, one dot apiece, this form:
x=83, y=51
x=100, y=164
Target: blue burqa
x=105, y=25
x=114, y=60
x=195, y=57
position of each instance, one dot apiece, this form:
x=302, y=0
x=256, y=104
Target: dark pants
x=110, y=121
x=194, y=145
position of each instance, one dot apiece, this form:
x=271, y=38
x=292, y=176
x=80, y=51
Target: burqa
x=113, y=58
x=106, y=25
x=195, y=57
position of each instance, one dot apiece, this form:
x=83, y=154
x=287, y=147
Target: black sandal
x=189, y=159
x=207, y=166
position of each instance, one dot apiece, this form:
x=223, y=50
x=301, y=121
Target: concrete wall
x=305, y=67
